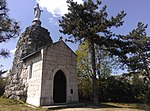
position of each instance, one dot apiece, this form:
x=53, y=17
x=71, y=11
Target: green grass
x=13, y=105
x=135, y=106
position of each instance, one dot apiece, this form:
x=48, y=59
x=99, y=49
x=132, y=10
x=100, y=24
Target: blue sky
x=22, y=11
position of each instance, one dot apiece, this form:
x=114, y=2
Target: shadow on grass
x=131, y=106
x=80, y=105
x=101, y=106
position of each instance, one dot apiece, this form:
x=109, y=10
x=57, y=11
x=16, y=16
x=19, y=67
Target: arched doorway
x=59, y=88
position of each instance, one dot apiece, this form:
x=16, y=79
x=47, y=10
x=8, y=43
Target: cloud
x=56, y=7
x=13, y=51
x=51, y=20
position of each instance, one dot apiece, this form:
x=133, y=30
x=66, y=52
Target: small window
x=30, y=70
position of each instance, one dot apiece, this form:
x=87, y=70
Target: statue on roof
x=37, y=12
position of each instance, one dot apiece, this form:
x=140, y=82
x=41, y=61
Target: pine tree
x=133, y=51
x=88, y=21
x=9, y=28
x=136, y=53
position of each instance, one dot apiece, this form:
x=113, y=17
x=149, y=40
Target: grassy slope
x=12, y=105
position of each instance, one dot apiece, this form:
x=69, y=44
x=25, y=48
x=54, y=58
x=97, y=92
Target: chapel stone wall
x=59, y=57
x=34, y=66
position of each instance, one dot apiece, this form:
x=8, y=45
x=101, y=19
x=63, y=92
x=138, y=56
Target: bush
x=85, y=88
x=3, y=82
x=115, y=90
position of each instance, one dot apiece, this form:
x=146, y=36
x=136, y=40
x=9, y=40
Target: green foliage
x=104, y=62
x=8, y=27
x=140, y=89
x=83, y=60
x=116, y=90
x=138, y=86
x=126, y=88
x=3, y=81
x=85, y=88
x=137, y=51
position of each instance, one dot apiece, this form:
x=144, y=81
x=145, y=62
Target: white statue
x=37, y=12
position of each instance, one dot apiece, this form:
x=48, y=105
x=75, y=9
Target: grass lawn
x=13, y=105
x=130, y=106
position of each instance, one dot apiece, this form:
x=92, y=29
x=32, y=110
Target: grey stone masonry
x=31, y=40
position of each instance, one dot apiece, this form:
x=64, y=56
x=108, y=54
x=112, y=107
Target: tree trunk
x=94, y=80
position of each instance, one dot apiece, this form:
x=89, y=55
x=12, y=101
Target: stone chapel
x=43, y=72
